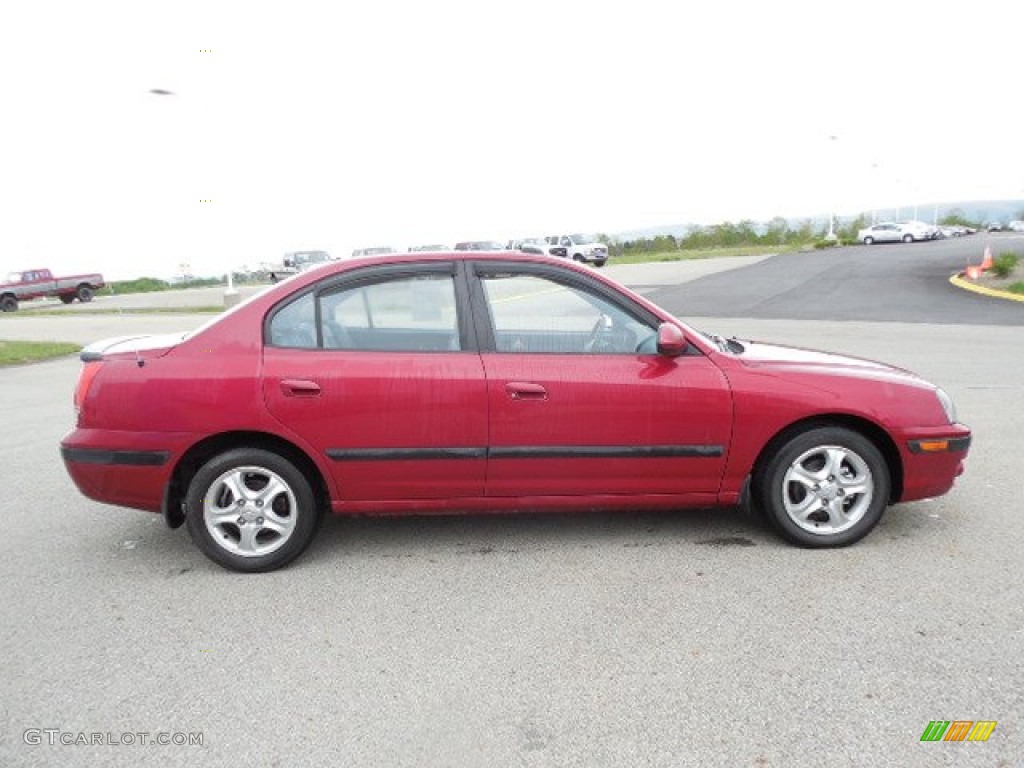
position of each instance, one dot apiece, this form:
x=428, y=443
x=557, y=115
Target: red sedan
x=472, y=382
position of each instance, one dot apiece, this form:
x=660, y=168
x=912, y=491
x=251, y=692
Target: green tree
x=777, y=233
x=849, y=230
x=955, y=217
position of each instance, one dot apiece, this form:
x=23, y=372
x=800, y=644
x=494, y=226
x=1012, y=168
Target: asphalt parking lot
x=694, y=638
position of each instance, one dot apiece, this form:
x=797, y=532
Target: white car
x=897, y=231
x=537, y=245
x=584, y=248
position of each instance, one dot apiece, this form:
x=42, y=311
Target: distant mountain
x=676, y=230
x=981, y=211
x=985, y=210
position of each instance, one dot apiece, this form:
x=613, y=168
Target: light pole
x=875, y=185
x=831, y=236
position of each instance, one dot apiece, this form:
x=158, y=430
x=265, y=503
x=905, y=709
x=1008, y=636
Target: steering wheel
x=648, y=345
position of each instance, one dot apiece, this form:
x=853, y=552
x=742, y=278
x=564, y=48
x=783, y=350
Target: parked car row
x=955, y=230
x=583, y=248
x=578, y=247
x=898, y=231
x=381, y=250
x=1013, y=226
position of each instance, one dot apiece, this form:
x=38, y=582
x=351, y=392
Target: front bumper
x=932, y=460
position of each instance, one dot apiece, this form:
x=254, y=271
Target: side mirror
x=671, y=341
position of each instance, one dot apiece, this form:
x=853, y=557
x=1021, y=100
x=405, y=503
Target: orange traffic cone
x=986, y=263
x=973, y=272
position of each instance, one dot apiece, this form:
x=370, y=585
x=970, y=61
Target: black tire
x=824, y=487
x=908, y=238
x=67, y=298
x=8, y=304
x=579, y=257
x=84, y=294
x=599, y=263
x=273, y=527
x=869, y=241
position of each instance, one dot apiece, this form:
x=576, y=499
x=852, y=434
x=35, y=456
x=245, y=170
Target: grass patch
x=1004, y=264
x=153, y=285
x=692, y=254
x=1017, y=287
x=17, y=352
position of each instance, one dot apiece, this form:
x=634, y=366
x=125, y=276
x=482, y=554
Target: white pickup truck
x=585, y=248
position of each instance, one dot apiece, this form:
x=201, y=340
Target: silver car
x=895, y=232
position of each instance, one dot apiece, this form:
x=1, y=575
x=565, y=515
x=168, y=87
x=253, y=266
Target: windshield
x=580, y=239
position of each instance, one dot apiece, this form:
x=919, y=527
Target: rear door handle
x=300, y=388
x=523, y=390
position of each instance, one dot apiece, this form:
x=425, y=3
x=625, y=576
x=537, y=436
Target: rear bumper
x=128, y=469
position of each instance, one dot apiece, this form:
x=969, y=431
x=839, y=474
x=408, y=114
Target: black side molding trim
x=529, y=452
x=607, y=452
x=404, y=454
x=122, y=458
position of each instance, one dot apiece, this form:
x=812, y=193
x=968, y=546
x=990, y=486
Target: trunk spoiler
x=120, y=344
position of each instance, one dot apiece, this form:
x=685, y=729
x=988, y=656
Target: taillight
x=89, y=371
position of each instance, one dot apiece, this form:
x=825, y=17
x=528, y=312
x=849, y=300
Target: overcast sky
x=329, y=125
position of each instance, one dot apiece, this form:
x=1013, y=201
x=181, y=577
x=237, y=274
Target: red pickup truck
x=35, y=283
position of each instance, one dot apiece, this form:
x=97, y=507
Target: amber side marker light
x=933, y=446
x=89, y=371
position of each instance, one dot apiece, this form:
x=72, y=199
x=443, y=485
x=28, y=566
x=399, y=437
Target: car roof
x=419, y=256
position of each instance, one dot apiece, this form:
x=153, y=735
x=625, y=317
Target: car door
x=580, y=402
x=379, y=373
x=890, y=233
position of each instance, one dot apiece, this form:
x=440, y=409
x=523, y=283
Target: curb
x=959, y=281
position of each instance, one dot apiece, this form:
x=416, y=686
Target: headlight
x=947, y=405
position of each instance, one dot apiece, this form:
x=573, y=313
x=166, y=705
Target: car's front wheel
x=908, y=238
x=824, y=487
x=251, y=510
x=869, y=241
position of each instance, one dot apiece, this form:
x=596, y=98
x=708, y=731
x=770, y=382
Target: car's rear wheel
x=869, y=241
x=824, y=487
x=84, y=294
x=8, y=304
x=251, y=510
x=908, y=238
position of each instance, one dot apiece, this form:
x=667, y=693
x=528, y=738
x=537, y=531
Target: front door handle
x=300, y=388
x=523, y=390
